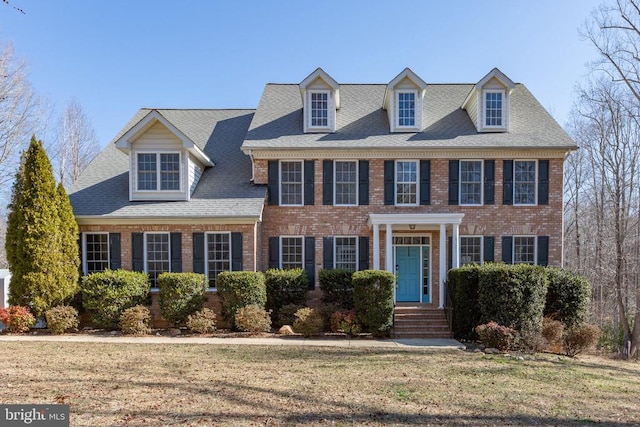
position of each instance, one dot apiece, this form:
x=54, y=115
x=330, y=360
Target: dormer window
x=488, y=102
x=406, y=109
x=320, y=101
x=493, y=109
x=404, y=102
x=319, y=109
x=158, y=171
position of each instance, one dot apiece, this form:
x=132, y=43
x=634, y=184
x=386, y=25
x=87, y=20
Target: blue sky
x=117, y=56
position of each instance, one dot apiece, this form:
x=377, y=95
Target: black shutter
x=449, y=253
x=176, y=252
x=489, y=181
x=137, y=251
x=543, y=250
x=363, y=253
x=425, y=182
x=80, y=253
x=489, y=248
x=507, y=249
x=309, y=194
x=115, y=252
x=327, y=182
x=543, y=182
x=236, y=251
x=507, y=182
x=198, y=253
x=389, y=171
x=272, y=179
x=454, y=181
x=327, y=253
x=310, y=260
x=274, y=252
x=363, y=182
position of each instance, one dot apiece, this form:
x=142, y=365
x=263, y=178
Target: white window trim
x=280, y=248
x=335, y=183
x=206, y=254
x=481, y=182
x=301, y=182
x=84, y=249
x=158, y=171
x=309, y=115
x=395, y=183
x=535, y=179
x=535, y=248
x=146, y=269
x=415, y=110
x=481, y=246
x=335, y=250
x=503, y=115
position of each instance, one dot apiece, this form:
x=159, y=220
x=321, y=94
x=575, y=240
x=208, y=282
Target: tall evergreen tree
x=40, y=229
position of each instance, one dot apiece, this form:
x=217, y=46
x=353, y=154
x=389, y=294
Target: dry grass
x=131, y=384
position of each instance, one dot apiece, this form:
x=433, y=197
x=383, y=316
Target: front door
x=408, y=274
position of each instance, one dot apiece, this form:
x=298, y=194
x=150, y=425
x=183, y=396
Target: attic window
x=493, y=109
x=319, y=110
x=149, y=174
x=406, y=109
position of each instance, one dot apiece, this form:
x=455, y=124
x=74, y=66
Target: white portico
x=404, y=256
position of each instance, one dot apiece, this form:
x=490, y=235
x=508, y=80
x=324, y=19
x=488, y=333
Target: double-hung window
x=158, y=171
x=319, y=111
x=157, y=255
x=524, y=182
x=406, y=183
x=470, y=250
x=291, y=252
x=291, y=183
x=346, y=253
x=406, y=109
x=346, y=183
x=470, y=182
x=493, y=109
x=524, y=250
x=96, y=252
x=218, y=255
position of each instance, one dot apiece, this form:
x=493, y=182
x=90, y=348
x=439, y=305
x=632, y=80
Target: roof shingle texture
x=223, y=190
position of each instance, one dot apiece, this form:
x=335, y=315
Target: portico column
x=455, y=252
x=376, y=247
x=443, y=263
x=389, y=249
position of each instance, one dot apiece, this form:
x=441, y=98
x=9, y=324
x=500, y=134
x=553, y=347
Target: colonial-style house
x=410, y=177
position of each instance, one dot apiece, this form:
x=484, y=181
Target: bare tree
x=76, y=144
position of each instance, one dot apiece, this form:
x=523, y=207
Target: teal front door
x=408, y=274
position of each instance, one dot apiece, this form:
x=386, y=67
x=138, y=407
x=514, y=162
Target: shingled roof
x=362, y=123
x=224, y=191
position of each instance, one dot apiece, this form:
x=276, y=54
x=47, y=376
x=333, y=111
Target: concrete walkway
x=414, y=343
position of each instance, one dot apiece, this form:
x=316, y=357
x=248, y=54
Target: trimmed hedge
x=463, y=285
x=285, y=287
x=373, y=298
x=337, y=287
x=568, y=297
x=107, y=294
x=180, y=295
x=237, y=289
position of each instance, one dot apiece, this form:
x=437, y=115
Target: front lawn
x=158, y=385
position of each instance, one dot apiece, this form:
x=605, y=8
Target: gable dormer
x=488, y=102
x=320, y=100
x=164, y=164
x=403, y=101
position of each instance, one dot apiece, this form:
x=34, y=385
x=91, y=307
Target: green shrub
x=253, y=318
x=285, y=287
x=237, y=289
x=180, y=295
x=513, y=295
x=497, y=336
x=17, y=318
x=106, y=295
x=202, y=322
x=287, y=314
x=135, y=320
x=581, y=338
x=345, y=321
x=463, y=285
x=61, y=318
x=373, y=298
x=337, y=287
x=568, y=297
x=611, y=337
x=308, y=322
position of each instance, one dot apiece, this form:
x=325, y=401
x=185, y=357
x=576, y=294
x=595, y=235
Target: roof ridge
x=196, y=109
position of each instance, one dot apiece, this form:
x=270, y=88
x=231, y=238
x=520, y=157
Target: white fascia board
x=417, y=219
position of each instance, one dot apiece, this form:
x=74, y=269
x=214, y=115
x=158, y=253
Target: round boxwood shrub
x=107, y=294
x=568, y=297
x=308, y=322
x=61, y=318
x=253, y=318
x=373, y=298
x=337, y=287
x=180, y=295
x=285, y=287
x=237, y=289
x=202, y=322
x=135, y=320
